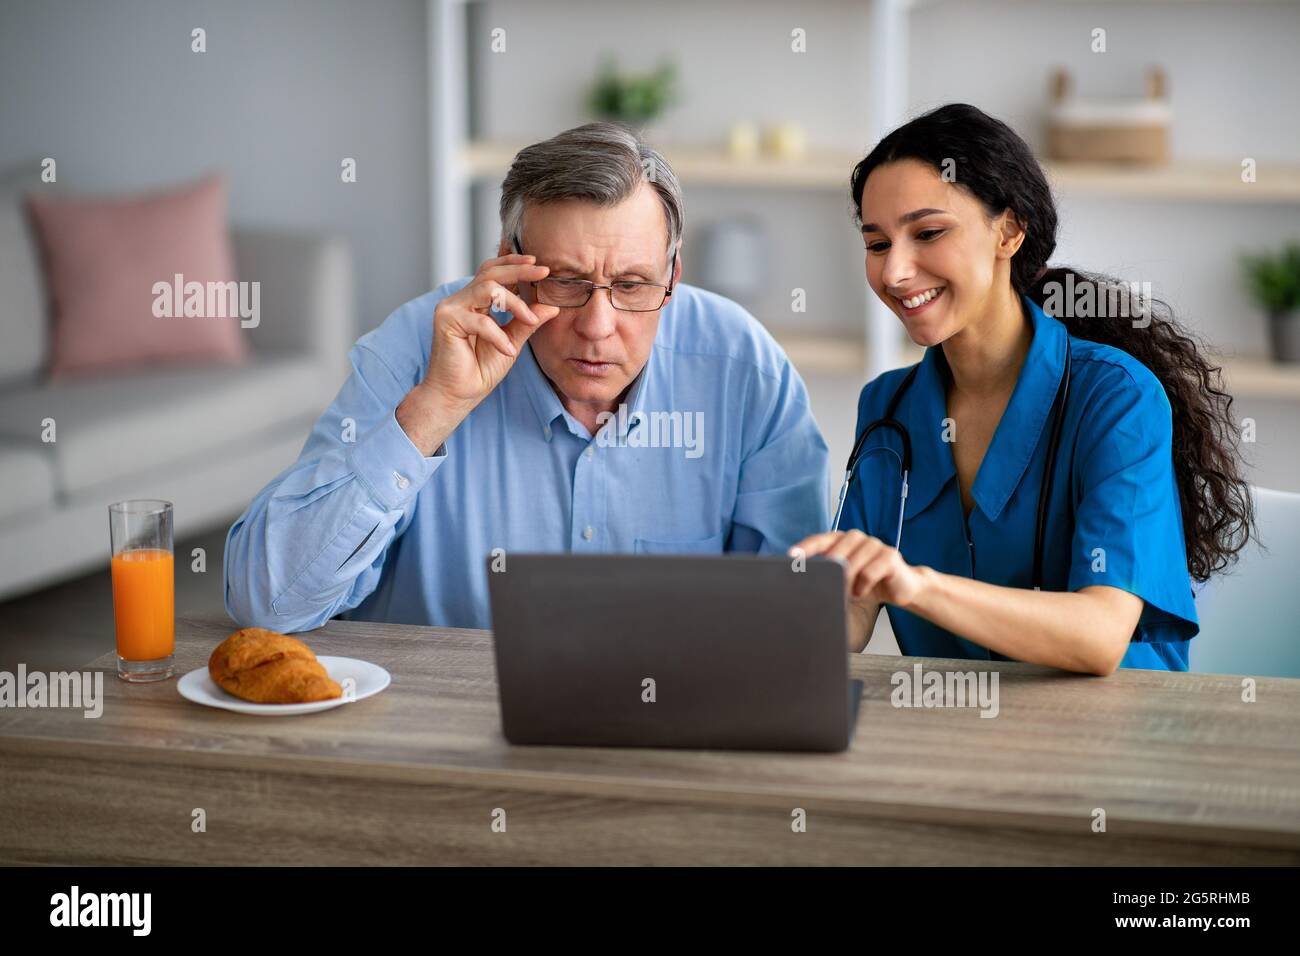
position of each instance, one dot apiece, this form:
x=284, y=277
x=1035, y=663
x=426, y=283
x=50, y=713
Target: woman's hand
x=874, y=573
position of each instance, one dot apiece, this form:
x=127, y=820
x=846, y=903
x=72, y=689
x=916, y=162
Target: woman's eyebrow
x=912, y=216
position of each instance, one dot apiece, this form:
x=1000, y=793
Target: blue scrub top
x=1113, y=517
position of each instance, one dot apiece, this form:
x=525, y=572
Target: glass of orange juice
x=144, y=588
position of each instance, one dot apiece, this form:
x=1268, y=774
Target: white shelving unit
x=457, y=163
x=449, y=176
x=1186, y=181
x=834, y=355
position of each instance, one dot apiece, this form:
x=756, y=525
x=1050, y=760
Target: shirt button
x=591, y=452
x=587, y=532
x=402, y=480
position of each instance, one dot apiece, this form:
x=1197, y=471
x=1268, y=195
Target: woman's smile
x=914, y=303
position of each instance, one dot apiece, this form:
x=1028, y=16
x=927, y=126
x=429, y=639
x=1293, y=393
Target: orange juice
x=144, y=604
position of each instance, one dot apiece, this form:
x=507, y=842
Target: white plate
x=370, y=679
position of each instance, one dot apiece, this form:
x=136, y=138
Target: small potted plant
x=1274, y=284
x=633, y=99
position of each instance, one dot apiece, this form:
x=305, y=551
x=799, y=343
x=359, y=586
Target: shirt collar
x=924, y=410
x=544, y=400
x=1022, y=425
x=546, y=403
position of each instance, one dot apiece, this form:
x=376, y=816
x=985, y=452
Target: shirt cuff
x=387, y=462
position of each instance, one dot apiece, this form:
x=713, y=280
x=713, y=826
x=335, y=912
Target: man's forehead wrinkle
x=613, y=260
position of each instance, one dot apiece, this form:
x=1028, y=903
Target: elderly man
x=570, y=396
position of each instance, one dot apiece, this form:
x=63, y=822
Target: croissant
x=269, y=668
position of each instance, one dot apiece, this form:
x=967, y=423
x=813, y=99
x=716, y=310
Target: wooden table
x=1186, y=772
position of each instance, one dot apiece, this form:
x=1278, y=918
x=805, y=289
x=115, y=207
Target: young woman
x=1086, y=450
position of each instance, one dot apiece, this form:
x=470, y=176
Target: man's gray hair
x=603, y=163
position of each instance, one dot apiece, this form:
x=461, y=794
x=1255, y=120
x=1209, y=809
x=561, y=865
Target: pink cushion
x=102, y=259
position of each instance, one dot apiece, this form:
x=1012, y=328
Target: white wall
x=287, y=89
x=1233, y=73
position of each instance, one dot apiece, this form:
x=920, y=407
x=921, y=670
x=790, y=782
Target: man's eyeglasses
x=626, y=296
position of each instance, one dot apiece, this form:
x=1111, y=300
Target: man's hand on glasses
x=471, y=353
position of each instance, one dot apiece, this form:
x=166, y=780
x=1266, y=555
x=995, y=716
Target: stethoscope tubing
x=890, y=423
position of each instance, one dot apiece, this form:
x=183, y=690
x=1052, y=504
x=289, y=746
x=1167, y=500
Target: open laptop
x=731, y=652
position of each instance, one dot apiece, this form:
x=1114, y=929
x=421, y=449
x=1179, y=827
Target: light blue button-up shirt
x=716, y=450
x=1113, y=517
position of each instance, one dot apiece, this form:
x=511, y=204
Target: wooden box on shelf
x=1132, y=130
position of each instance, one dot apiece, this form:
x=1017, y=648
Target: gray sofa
x=205, y=438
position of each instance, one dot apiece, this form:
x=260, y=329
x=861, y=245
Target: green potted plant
x=632, y=99
x=1274, y=284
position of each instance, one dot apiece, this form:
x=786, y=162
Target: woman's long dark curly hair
x=996, y=166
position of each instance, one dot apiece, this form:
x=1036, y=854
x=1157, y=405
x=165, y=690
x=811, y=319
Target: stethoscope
x=890, y=423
